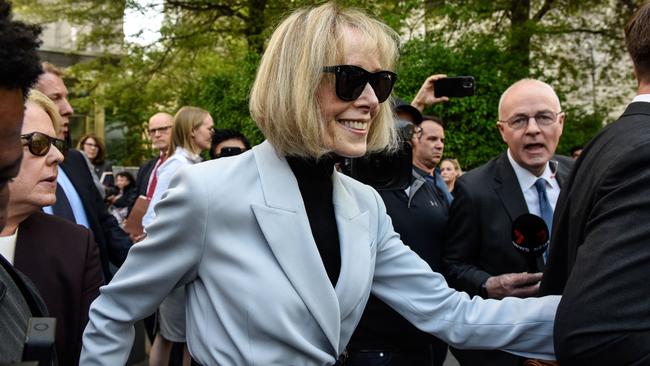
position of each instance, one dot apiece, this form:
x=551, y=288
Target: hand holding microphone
x=513, y=284
x=530, y=237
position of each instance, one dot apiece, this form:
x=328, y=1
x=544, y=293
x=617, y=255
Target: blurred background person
x=228, y=142
x=159, y=129
x=60, y=257
x=95, y=150
x=576, y=151
x=95, y=154
x=191, y=135
x=160, y=133
x=450, y=171
x=19, y=69
x=124, y=195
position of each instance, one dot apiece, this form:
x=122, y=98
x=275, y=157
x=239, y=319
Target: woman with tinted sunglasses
x=279, y=253
x=58, y=256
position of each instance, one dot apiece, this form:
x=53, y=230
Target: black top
x=421, y=226
x=315, y=183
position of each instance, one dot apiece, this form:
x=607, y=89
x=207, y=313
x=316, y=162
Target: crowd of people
x=269, y=255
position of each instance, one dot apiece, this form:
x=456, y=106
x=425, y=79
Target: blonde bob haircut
x=283, y=99
x=187, y=119
x=46, y=104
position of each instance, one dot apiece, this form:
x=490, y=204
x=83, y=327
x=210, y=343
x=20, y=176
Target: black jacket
x=600, y=249
x=419, y=215
x=478, y=236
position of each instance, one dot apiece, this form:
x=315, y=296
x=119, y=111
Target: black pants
x=425, y=356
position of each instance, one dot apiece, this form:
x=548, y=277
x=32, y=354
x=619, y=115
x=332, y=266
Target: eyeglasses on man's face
x=153, y=131
x=39, y=143
x=351, y=81
x=543, y=119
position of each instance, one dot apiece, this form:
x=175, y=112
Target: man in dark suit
x=78, y=199
x=160, y=133
x=19, y=69
x=479, y=257
x=600, y=253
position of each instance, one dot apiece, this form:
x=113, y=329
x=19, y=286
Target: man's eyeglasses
x=542, y=119
x=351, y=80
x=152, y=131
x=39, y=143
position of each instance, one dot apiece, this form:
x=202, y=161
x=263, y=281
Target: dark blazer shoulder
x=42, y=222
x=144, y=172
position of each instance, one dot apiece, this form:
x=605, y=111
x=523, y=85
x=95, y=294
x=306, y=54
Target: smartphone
x=459, y=86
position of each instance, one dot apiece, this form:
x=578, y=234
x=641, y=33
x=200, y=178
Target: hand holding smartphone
x=459, y=86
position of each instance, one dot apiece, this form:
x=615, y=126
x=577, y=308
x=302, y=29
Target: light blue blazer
x=234, y=231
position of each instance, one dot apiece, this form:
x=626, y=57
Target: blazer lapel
x=353, y=228
x=508, y=189
x=284, y=223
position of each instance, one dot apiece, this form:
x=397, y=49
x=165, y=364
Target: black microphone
x=530, y=237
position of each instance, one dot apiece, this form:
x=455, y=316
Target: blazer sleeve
x=603, y=316
x=406, y=283
x=166, y=259
x=462, y=243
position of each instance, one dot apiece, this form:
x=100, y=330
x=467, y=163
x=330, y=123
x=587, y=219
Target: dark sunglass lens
x=40, y=144
x=60, y=144
x=382, y=84
x=350, y=82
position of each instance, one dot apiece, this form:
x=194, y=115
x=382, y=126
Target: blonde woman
x=58, y=256
x=191, y=134
x=277, y=251
x=450, y=171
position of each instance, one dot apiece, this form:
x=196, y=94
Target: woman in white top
x=191, y=134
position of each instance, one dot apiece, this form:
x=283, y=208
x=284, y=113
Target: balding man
x=479, y=257
x=160, y=133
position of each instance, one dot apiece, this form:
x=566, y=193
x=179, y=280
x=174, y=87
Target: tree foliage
x=208, y=52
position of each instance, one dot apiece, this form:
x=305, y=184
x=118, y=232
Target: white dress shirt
x=164, y=175
x=527, y=181
x=8, y=246
x=642, y=98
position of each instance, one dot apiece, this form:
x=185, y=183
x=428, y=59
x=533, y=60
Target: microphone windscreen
x=530, y=234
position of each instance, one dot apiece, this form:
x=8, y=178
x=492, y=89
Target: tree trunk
x=255, y=25
x=520, y=34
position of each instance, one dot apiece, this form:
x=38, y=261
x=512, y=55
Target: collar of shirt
x=8, y=246
x=422, y=173
x=527, y=179
x=73, y=197
x=642, y=98
x=194, y=158
x=527, y=183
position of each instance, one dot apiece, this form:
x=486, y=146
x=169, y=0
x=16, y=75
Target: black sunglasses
x=351, y=80
x=39, y=143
